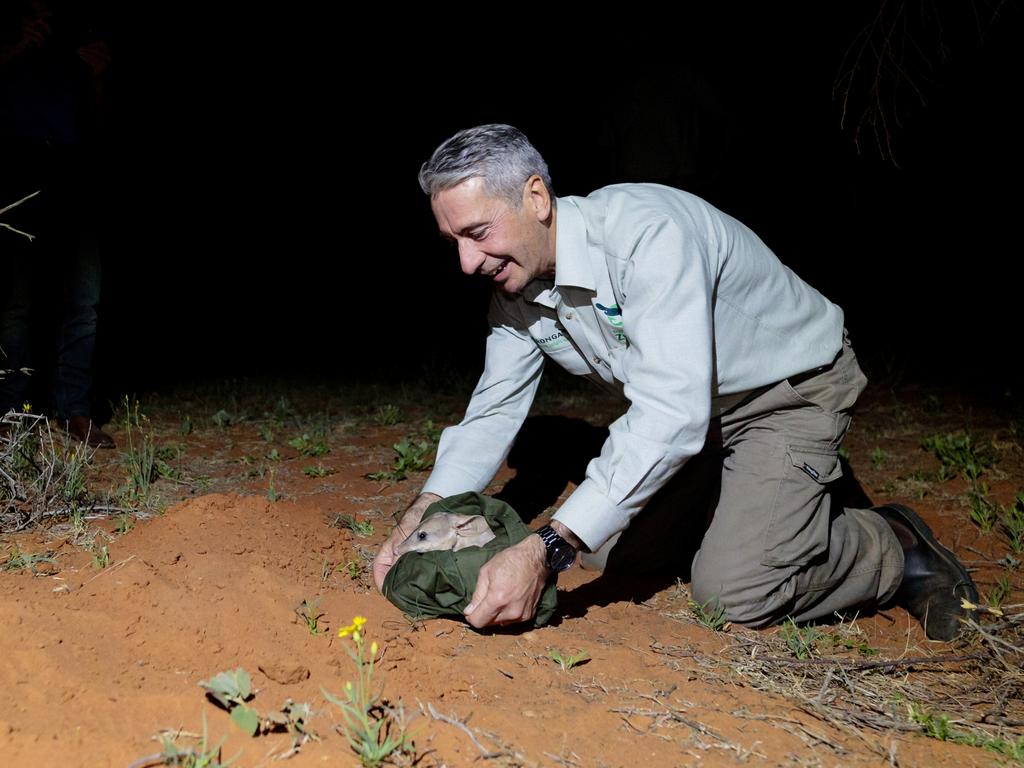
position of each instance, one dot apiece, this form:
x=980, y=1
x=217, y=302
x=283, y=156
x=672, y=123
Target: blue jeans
x=62, y=263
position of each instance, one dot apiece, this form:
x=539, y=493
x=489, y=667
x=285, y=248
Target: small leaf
x=246, y=718
x=244, y=683
x=229, y=686
x=222, y=687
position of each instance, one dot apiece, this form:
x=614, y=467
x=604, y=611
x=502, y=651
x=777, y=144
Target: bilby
x=447, y=530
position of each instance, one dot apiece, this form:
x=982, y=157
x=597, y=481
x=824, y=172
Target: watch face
x=561, y=557
x=560, y=553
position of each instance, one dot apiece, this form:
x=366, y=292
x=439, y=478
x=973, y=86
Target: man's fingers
x=380, y=571
x=382, y=563
x=478, y=613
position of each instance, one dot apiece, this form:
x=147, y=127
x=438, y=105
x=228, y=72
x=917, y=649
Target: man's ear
x=537, y=198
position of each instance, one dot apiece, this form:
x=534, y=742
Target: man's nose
x=470, y=258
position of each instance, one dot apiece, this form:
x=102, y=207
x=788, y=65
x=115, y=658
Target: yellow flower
x=373, y=648
x=353, y=628
x=26, y=407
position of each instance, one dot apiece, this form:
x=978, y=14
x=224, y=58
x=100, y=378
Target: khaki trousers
x=776, y=544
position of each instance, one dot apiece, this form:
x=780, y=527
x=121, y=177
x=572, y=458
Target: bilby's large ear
x=463, y=524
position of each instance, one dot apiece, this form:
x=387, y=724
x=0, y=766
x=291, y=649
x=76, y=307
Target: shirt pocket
x=570, y=359
x=798, y=527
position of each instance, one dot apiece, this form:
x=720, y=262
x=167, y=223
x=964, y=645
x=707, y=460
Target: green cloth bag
x=441, y=583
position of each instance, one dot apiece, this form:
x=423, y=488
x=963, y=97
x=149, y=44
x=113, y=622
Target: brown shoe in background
x=84, y=429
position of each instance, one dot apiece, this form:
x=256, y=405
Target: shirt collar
x=572, y=258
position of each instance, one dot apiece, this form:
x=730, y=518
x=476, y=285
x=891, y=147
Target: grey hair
x=499, y=154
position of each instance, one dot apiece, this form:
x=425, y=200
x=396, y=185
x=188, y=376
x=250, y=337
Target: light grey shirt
x=662, y=299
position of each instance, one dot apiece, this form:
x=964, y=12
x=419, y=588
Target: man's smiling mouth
x=500, y=269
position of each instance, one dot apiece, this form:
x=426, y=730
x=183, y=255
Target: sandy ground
x=98, y=661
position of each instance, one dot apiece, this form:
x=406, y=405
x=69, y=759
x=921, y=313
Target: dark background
x=265, y=216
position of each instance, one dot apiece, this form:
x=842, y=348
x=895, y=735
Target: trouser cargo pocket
x=798, y=526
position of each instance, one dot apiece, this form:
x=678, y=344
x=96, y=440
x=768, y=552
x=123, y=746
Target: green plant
x=353, y=567
x=387, y=415
x=140, y=457
x=710, y=614
x=409, y=457
x=75, y=462
x=959, y=454
x=1012, y=520
x=125, y=522
x=983, y=510
x=283, y=409
x=266, y=433
x=938, y=726
x=292, y=717
x=41, y=477
x=308, y=446
x=308, y=611
x=878, y=457
x=273, y=455
x=318, y=471
x=25, y=440
x=100, y=556
x=373, y=730
x=858, y=644
x=202, y=756
x=271, y=491
x=844, y=453
x=998, y=594
x=18, y=560
x=567, y=662
x=432, y=432
x=362, y=528
x=801, y=641
x=79, y=528
x=186, y=426
x=164, y=454
x=231, y=689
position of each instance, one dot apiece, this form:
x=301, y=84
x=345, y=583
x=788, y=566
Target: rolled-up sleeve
x=471, y=452
x=666, y=370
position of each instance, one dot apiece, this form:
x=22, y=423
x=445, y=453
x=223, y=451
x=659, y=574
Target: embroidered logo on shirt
x=614, y=317
x=553, y=342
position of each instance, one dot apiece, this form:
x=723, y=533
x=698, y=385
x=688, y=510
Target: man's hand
x=509, y=585
x=386, y=557
x=96, y=55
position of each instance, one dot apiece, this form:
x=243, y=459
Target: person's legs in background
x=15, y=307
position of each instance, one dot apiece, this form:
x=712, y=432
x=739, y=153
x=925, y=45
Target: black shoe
x=84, y=429
x=934, y=583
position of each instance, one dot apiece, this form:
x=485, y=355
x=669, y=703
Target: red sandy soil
x=98, y=661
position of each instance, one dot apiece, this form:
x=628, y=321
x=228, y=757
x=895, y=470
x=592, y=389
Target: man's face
x=510, y=247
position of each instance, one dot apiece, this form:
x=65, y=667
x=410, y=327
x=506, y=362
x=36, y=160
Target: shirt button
x=567, y=316
x=597, y=360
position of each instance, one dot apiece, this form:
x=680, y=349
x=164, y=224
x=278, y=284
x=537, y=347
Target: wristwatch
x=560, y=553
